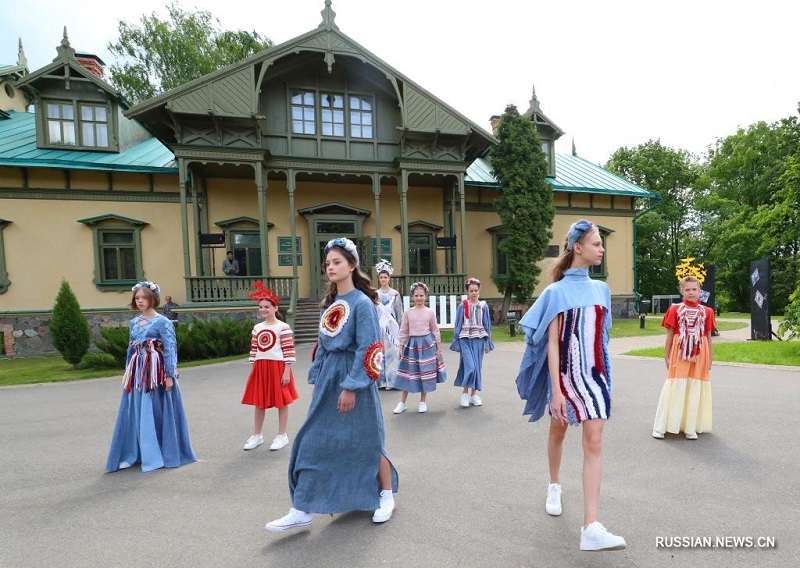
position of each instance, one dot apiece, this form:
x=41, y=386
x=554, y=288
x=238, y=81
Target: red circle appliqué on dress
x=266, y=339
x=373, y=360
x=334, y=318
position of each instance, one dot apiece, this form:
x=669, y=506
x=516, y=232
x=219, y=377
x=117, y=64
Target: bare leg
x=465, y=391
x=283, y=419
x=258, y=421
x=422, y=396
x=592, y=468
x=403, y=396
x=555, y=446
x=385, y=474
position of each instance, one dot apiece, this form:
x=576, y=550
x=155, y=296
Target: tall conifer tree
x=525, y=204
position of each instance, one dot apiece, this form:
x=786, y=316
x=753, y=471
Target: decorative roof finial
x=65, y=49
x=22, y=61
x=574, y=152
x=328, y=17
x=534, y=99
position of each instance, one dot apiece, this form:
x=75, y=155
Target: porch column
x=198, y=251
x=290, y=187
x=403, y=188
x=376, y=192
x=463, y=223
x=182, y=185
x=261, y=187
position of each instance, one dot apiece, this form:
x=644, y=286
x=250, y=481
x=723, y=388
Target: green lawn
x=53, y=368
x=621, y=328
x=762, y=352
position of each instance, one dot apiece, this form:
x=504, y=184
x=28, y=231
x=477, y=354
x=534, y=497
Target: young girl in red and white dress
x=271, y=382
x=685, y=401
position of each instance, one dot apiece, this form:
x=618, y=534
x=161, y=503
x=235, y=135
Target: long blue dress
x=390, y=316
x=335, y=457
x=472, y=337
x=151, y=425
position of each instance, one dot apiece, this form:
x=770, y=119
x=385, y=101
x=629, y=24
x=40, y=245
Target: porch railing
x=438, y=284
x=237, y=288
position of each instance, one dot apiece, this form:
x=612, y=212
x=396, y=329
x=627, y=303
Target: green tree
x=750, y=207
x=68, y=327
x=156, y=55
x=525, y=204
x=661, y=233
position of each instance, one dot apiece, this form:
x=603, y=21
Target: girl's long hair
x=360, y=281
x=564, y=260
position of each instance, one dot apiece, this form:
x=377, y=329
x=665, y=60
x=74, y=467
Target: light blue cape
x=575, y=290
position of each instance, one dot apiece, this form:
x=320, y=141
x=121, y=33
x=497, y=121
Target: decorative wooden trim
x=90, y=195
x=5, y=283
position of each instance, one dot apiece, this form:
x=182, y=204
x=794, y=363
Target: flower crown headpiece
x=416, y=285
x=384, y=266
x=260, y=292
x=346, y=244
x=152, y=286
x=576, y=231
x=470, y=281
x=688, y=268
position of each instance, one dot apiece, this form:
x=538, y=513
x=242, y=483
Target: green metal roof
x=573, y=174
x=18, y=148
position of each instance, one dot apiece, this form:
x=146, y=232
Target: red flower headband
x=261, y=293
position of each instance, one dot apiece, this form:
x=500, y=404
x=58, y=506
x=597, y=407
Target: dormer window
x=61, y=123
x=94, y=125
x=84, y=125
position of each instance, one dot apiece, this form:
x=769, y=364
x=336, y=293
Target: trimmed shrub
x=197, y=339
x=98, y=361
x=69, y=328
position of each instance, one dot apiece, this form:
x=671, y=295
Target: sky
x=609, y=73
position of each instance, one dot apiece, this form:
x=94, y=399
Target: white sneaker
x=659, y=435
x=280, y=441
x=475, y=400
x=400, y=408
x=384, y=512
x=464, y=402
x=553, y=504
x=691, y=435
x=253, y=442
x=422, y=407
x=596, y=537
x=294, y=519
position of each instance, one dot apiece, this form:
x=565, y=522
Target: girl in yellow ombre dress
x=685, y=401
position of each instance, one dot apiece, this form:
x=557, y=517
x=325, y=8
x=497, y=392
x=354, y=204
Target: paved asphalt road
x=472, y=482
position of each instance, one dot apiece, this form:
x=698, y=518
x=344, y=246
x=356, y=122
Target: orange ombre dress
x=685, y=401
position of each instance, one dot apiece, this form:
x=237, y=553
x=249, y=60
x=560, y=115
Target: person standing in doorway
x=230, y=266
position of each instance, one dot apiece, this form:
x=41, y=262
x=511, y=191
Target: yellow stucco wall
x=44, y=233
x=45, y=243
x=17, y=102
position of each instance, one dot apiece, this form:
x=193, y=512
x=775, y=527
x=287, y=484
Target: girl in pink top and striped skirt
x=421, y=363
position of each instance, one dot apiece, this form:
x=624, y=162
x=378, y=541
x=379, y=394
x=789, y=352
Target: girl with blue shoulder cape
x=566, y=369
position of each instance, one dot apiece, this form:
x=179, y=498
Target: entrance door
x=247, y=251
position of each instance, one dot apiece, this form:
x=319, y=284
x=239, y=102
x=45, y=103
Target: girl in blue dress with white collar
x=566, y=369
x=338, y=461
x=151, y=426
x=472, y=337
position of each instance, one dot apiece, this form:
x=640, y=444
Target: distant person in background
x=230, y=266
x=168, y=310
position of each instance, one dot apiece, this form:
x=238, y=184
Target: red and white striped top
x=272, y=341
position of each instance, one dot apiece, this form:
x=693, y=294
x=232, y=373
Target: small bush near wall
x=197, y=339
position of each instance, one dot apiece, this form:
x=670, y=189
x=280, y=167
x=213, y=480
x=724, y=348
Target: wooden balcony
x=438, y=284
x=207, y=289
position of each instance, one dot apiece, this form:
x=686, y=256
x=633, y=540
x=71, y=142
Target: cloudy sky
x=609, y=72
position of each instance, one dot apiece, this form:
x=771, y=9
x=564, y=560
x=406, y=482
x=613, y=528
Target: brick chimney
x=494, y=120
x=91, y=63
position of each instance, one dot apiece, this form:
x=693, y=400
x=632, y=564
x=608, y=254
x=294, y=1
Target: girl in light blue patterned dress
x=151, y=426
x=390, y=314
x=338, y=461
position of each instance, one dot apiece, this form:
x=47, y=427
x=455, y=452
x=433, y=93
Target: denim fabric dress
x=335, y=457
x=151, y=426
x=472, y=337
